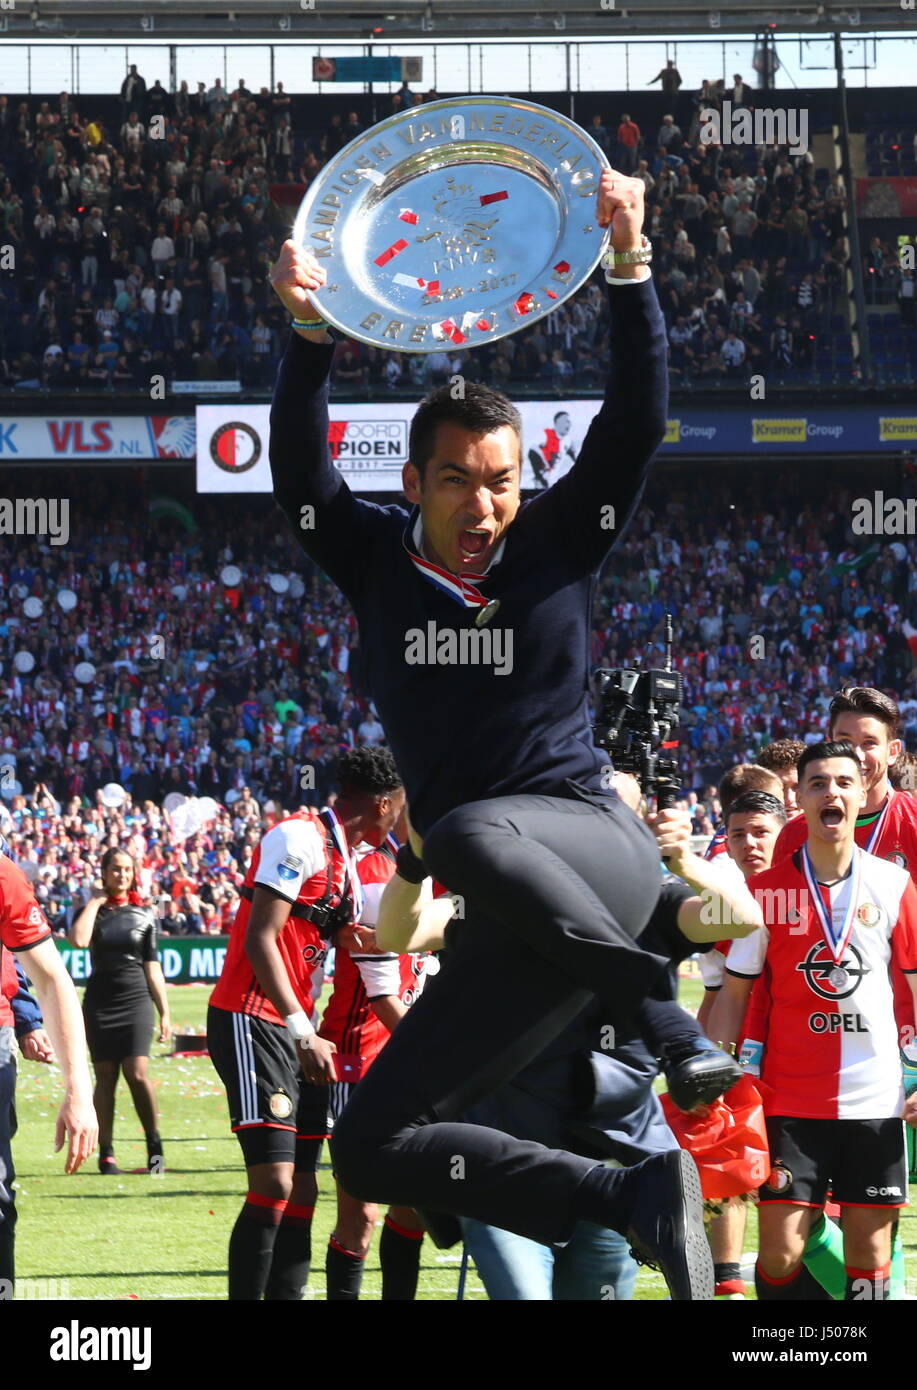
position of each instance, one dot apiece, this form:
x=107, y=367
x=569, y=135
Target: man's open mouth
x=831, y=816
x=473, y=543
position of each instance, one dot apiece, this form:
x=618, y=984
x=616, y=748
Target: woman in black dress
x=125, y=982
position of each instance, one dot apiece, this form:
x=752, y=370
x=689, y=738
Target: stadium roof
x=328, y=20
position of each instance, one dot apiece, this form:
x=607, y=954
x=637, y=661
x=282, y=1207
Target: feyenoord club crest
x=869, y=915
x=896, y=857
x=780, y=1178
x=281, y=1105
x=235, y=447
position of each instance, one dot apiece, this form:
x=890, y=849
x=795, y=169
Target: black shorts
x=339, y=1093
x=863, y=1162
x=276, y=1115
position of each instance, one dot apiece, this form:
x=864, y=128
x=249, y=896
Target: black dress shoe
x=108, y=1165
x=698, y=1073
x=666, y=1228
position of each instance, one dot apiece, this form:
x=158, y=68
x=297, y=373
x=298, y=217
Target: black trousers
x=555, y=891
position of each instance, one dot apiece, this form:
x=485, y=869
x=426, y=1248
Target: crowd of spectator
x=146, y=248
x=149, y=245
x=750, y=250
x=247, y=695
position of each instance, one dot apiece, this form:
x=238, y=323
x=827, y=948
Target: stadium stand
x=136, y=254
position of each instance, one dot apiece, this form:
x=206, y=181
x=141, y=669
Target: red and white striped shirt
x=832, y=1051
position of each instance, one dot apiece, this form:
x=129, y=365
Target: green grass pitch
x=137, y=1237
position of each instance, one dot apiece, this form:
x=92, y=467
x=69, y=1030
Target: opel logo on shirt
x=823, y=975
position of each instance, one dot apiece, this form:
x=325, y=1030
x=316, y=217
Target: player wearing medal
x=887, y=825
x=836, y=919
x=260, y=1032
x=871, y=721
x=474, y=614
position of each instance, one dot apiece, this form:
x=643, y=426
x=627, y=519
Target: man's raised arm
x=597, y=498
x=329, y=523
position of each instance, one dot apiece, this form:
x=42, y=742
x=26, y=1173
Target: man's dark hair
x=367, y=771
x=480, y=410
x=763, y=803
x=781, y=754
x=865, y=699
x=836, y=748
x=744, y=777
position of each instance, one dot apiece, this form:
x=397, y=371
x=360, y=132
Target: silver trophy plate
x=454, y=223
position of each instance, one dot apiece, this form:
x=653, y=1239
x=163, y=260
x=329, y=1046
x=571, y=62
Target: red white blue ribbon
x=837, y=941
x=877, y=829
x=459, y=587
x=350, y=863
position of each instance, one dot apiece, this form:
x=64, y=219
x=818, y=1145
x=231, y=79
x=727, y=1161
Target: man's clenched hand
x=620, y=206
x=295, y=272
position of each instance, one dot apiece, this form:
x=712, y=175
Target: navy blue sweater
x=26, y=1009
x=461, y=733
